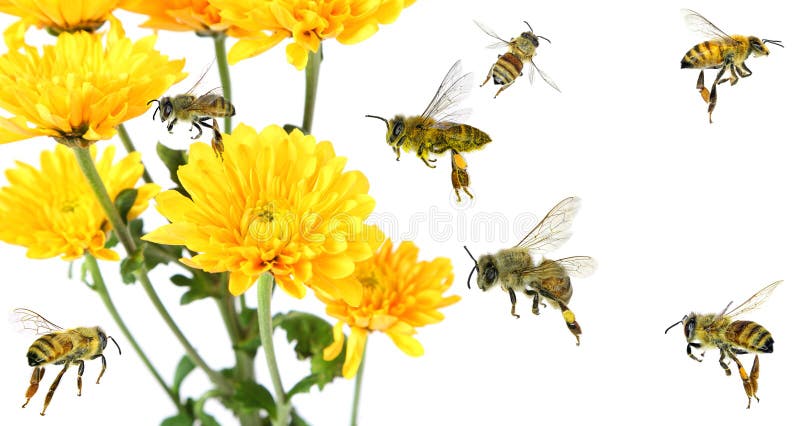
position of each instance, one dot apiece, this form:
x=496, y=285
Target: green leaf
x=179, y=420
x=249, y=396
x=311, y=335
x=290, y=127
x=207, y=419
x=181, y=280
x=185, y=366
x=124, y=202
x=136, y=227
x=172, y=158
x=130, y=266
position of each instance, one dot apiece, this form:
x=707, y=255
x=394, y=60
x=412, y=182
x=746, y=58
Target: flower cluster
x=52, y=211
x=306, y=22
x=79, y=90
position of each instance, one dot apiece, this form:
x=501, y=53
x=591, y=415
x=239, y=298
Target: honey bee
x=197, y=110
x=731, y=337
x=724, y=52
x=437, y=130
x=515, y=268
x=508, y=67
x=60, y=346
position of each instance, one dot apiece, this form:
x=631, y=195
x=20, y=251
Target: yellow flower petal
x=407, y=344
x=297, y=55
x=335, y=348
x=355, y=352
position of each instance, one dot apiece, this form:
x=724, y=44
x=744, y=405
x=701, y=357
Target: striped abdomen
x=507, y=68
x=553, y=281
x=750, y=336
x=49, y=348
x=460, y=137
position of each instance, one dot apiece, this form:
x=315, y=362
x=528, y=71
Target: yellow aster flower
x=55, y=16
x=306, y=22
x=279, y=203
x=179, y=15
x=52, y=211
x=400, y=293
x=78, y=90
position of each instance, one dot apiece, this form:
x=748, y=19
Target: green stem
x=244, y=370
x=265, y=283
x=127, y=142
x=123, y=234
x=312, y=80
x=99, y=285
x=224, y=73
x=357, y=390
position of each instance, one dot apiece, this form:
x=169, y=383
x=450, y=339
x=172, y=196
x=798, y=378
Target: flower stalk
x=89, y=170
x=224, y=73
x=99, y=286
x=357, y=388
x=312, y=81
x=265, y=285
x=127, y=142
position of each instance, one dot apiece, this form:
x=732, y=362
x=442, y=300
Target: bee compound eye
x=167, y=108
x=491, y=274
x=689, y=329
x=398, y=128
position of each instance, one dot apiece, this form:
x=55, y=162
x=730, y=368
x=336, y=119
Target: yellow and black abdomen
x=554, y=281
x=460, y=137
x=750, y=336
x=708, y=54
x=49, y=348
x=507, y=68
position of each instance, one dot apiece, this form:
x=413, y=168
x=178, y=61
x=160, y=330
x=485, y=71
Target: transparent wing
x=28, y=320
x=553, y=230
x=545, y=77
x=755, y=301
x=454, y=88
x=209, y=99
x=501, y=41
x=197, y=83
x=578, y=266
x=696, y=22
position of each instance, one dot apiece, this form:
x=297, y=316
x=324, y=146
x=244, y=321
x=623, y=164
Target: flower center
x=271, y=224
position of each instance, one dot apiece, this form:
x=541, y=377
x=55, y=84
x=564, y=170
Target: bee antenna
x=775, y=42
x=544, y=38
x=673, y=325
x=529, y=25
x=474, y=268
x=379, y=118
x=115, y=344
x=154, y=112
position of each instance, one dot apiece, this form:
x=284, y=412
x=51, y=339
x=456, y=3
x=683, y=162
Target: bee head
x=103, y=337
x=689, y=323
x=530, y=36
x=487, y=272
x=164, y=105
x=759, y=46
x=395, y=128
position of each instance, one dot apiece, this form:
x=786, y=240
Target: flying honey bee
x=731, y=337
x=437, y=129
x=60, y=346
x=197, y=110
x=724, y=52
x=515, y=268
x=508, y=67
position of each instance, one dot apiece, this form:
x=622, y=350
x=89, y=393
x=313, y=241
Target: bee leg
x=712, y=98
x=701, y=86
x=748, y=385
x=216, y=141
x=504, y=87
x=535, y=305
x=723, y=363
x=103, y=368
x=36, y=377
x=488, y=76
x=459, y=176
x=754, y=377
x=572, y=325
x=691, y=355
x=513, y=302
x=196, y=124
x=80, y=376
x=171, y=125
x=53, y=388
x=744, y=71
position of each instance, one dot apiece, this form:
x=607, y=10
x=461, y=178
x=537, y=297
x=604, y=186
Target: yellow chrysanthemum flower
x=78, y=90
x=55, y=16
x=179, y=15
x=399, y=294
x=52, y=211
x=278, y=203
x=307, y=22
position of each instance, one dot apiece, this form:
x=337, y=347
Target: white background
x=681, y=215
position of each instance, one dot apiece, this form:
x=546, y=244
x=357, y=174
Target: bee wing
x=452, y=90
x=553, y=230
x=545, y=77
x=197, y=83
x=27, y=320
x=696, y=22
x=501, y=41
x=578, y=266
x=755, y=301
x=206, y=100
